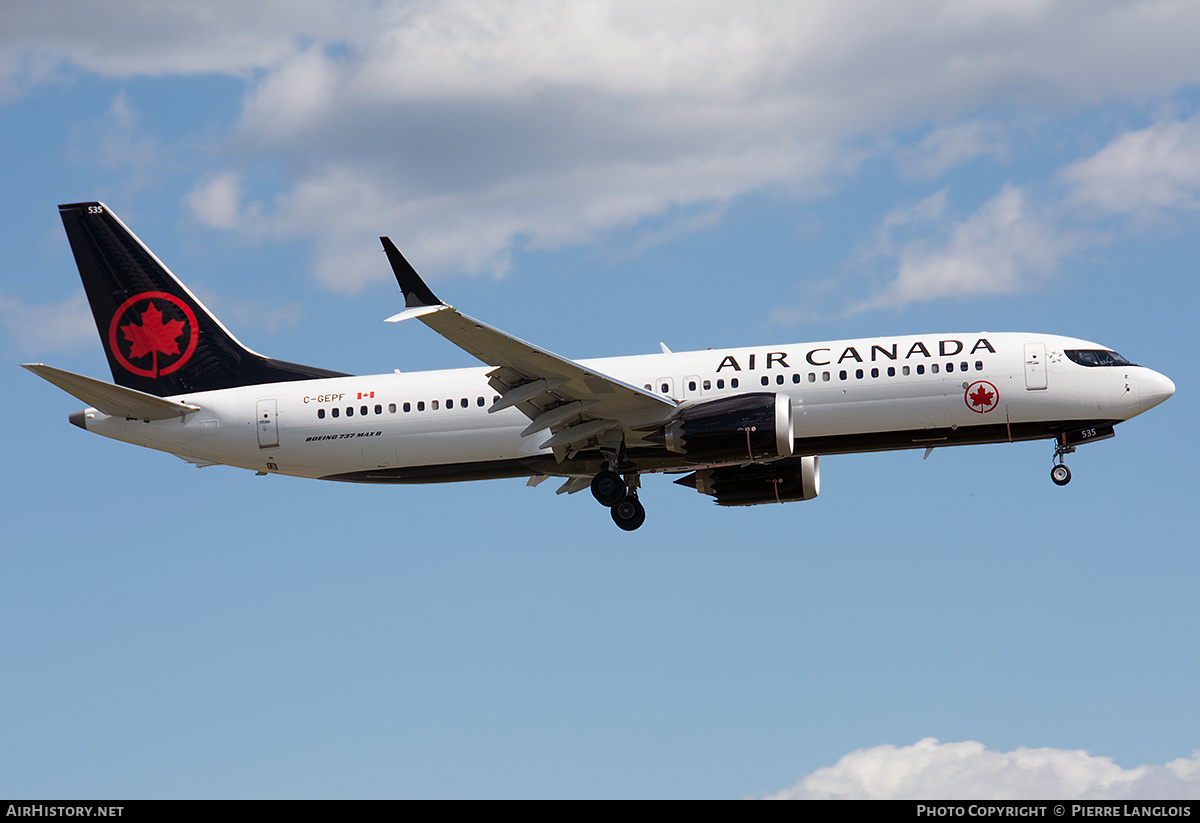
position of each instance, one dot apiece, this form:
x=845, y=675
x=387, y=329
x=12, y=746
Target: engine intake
x=755, y=426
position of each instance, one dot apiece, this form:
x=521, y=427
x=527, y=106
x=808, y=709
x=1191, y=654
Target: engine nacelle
x=785, y=481
x=756, y=426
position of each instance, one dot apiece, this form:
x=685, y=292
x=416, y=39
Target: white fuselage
x=846, y=396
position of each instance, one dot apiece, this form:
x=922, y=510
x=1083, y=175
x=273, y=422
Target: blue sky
x=598, y=178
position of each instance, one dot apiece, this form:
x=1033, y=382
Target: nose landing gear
x=1060, y=474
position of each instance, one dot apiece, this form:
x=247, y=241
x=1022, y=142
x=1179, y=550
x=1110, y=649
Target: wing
x=577, y=405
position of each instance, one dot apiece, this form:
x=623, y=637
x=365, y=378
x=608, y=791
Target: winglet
x=416, y=293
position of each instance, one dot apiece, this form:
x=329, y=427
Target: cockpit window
x=1096, y=357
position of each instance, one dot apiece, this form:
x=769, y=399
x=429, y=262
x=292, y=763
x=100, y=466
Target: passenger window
x=721, y=383
x=978, y=365
x=479, y=402
x=391, y=408
x=904, y=371
x=320, y=414
x=962, y=366
x=779, y=379
x=420, y=405
x=858, y=373
x=825, y=377
x=707, y=385
x=407, y=407
x=334, y=411
x=949, y=367
x=874, y=372
x=812, y=377
x=378, y=409
x=920, y=368
x=433, y=405
x=733, y=382
x=691, y=385
x=349, y=411
x=891, y=371
x=449, y=402
x=842, y=374
x=933, y=369
x=766, y=381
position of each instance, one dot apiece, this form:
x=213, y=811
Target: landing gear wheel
x=628, y=514
x=608, y=488
x=1060, y=474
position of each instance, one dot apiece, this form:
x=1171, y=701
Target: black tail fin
x=158, y=337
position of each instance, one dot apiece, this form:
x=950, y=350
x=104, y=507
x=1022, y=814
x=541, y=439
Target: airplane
x=745, y=426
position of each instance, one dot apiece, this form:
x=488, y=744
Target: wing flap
x=525, y=392
x=574, y=484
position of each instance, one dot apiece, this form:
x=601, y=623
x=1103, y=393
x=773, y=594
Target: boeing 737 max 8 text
x=744, y=426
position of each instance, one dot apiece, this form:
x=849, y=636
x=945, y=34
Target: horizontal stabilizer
x=115, y=401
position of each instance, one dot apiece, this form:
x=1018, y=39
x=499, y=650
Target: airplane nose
x=1154, y=389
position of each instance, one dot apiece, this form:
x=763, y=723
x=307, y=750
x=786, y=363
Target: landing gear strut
x=1060, y=474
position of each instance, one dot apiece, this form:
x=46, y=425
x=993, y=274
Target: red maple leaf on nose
x=153, y=336
x=981, y=397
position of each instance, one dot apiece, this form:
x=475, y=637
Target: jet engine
x=784, y=481
x=756, y=426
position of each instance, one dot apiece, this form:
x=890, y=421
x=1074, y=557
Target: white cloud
x=124, y=38
x=217, y=201
x=250, y=314
x=1142, y=172
x=928, y=210
x=949, y=146
x=116, y=142
x=38, y=329
x=470, y=126
x=929, y=770
x=1005, y=247
x=475, y=126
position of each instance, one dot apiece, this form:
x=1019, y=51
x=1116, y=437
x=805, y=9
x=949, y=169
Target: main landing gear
x=1060, y=474
x=620, y=497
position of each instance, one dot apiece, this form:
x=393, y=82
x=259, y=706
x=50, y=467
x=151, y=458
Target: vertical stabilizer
x=159, y=338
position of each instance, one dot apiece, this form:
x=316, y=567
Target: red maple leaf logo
x=981, y=397
x=153, y=336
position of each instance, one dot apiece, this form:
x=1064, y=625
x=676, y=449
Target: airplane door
x=1035, y=365
x=665, y=386
x=268, y=427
